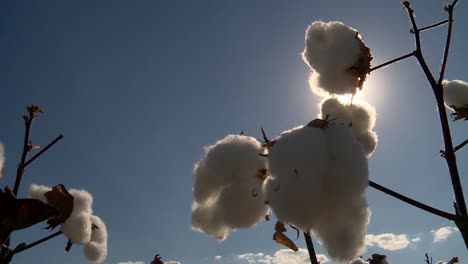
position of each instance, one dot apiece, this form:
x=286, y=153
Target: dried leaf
x=61, y=200
x=320, y=123
x=297, y=231
x=267, y=218
x=157, y=260
x=281, y=238
x=363, y=65
x=460, y=113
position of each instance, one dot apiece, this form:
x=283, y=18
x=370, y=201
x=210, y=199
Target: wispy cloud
x=282, y=256
x=443, y=233
x=390, y=241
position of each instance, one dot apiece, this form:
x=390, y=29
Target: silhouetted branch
x=455, y=149
x=391, y=61
x=310, y=248
x=431, y=26
x=57, y=139
x=23, y=247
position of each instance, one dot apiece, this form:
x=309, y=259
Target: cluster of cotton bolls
x=82, y=227
x=455, y=94
x=313, y=177
x=227, y=187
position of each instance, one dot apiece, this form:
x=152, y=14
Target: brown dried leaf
x=460, y=113
x=281, y=238
x=267, y=218
x=363, y=65
x=61, y=200
x=157, y=260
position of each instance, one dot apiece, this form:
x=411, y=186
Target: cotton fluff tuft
x=96, y=249
x=359, y=115
x=2, y=159
x=317, y=182
x=77, y=228
x=82, y=201
x=227, y=190
x=455, y=93
x=336, y=54
x=37, y=192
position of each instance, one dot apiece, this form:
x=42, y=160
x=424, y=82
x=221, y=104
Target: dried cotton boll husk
x=77, y=228
x=227, y=193
x=37, y=192
x=96, y=249
x=82, y=201
x=455, y=93
x=337, y=55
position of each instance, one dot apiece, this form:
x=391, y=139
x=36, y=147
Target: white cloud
x=218, y=258
x=443, y=233
x=282, y=256
x=415, y=240
x=389, y=241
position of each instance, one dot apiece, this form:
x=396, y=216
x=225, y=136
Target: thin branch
x=40, y=241
x=415, y=28
x=455, y=149
x=447, y=47
x=412, y=202
x=454, y=3
x=20, y=170
x=391, y=61
x=431, y=26
x=310, y=248
x=57, y=139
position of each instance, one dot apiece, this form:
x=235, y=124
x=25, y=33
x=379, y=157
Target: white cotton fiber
x=77, y=228
x=338, y=57
x=82, y=201
x=359, y=115
x=96, y=249
x=318, y=179
x=37, y=192
x=455, y=93
x=227, y=190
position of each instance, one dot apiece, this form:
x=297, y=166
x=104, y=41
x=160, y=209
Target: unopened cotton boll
x=338, y=57
x=317, y=182
x=96, y=249
x=77, y=228
x=227, y=187
x=359, y=115
x=455, y=93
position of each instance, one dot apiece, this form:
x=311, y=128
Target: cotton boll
x=82, y=201
x=337, y=55
x=77, y=228
x=37, y=192
x=359, y=115
x=455, y=93
x=318, y=179
x=227, y=187
x=96, y=250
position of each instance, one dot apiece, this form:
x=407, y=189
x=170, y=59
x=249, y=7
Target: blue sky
x=139, y=87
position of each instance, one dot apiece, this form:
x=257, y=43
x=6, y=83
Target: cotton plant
x=69, y=210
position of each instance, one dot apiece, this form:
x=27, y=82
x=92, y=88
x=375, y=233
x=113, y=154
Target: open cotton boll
x=227, y=186
x=359, y=115
x=82, y=201
x=318, y=181
x=96, y=249
x=337, y=55
x=37, y=192
x=455, y=93
x=77, y=228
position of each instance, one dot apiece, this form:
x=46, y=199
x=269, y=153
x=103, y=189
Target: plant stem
x=455, y=149
x=432, y=26
x=40, y=241
x=20, y=171
x=412, y=202
x=57, y=139
x=310, y=248
x=391, y=61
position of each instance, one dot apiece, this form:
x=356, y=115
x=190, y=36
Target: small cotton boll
x=77, y=228
x=82, y=201
x=455, y=93
x=336, y=53
x=37, y=192
x=227, y=187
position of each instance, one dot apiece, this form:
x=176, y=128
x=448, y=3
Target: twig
x=391, y=61
x=455, y=149
x=20, y=171
x=427, y=259
x=453, y=260
x=57, y=139
x=431, y=26
x=412, y=202
x=415, y=28
x=447, y=46
x=40, y=241
x=310, y=248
